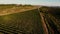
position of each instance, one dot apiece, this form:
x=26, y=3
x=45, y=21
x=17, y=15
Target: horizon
x=32, y=2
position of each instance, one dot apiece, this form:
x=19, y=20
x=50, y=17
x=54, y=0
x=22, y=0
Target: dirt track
x=43, y=23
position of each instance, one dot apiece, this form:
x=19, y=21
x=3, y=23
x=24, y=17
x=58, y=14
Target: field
x=52, y=19
x=28, y=22
x=29, y=19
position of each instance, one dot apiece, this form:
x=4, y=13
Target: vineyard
x=19, y=19
x=28, y=22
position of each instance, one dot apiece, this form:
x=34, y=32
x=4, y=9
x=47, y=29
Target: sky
x=32, y=2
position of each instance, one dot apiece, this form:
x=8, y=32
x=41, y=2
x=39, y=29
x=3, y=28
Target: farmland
x=51, y=18
x=28, y=19
x=22, y=22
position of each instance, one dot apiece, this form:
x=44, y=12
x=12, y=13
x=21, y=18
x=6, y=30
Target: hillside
x=29, y=19
x=27, y=22
x=52, y=18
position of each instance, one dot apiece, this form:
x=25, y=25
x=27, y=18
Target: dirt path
x=43, y=22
